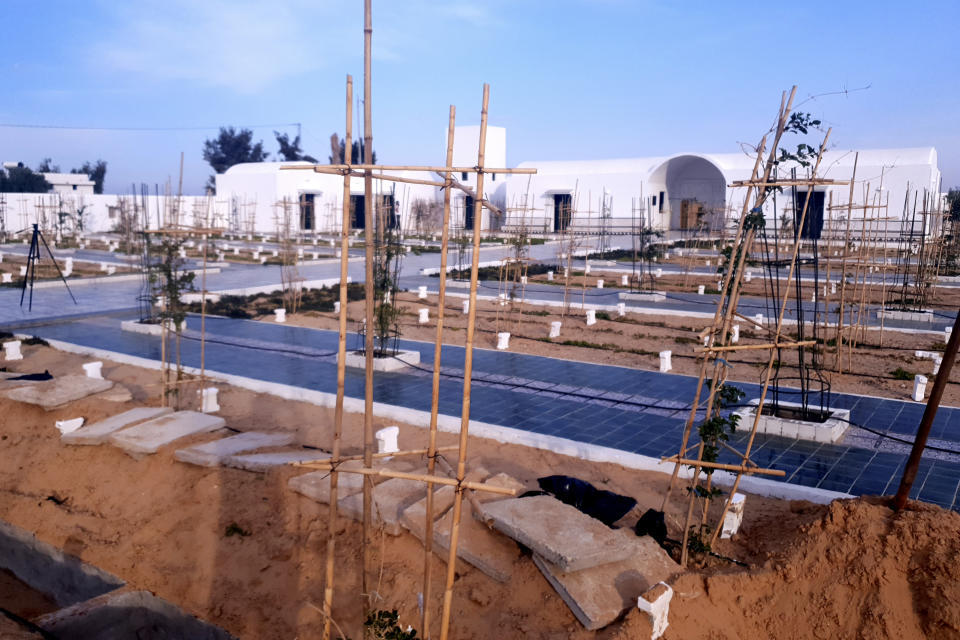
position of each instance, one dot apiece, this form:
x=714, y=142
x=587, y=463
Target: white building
x=70, y=183
x=679, y=192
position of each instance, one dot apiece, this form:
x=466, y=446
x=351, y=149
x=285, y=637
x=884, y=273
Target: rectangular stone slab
x=563, y=535
x=211, y=454
x=263, y=462
x=316, y=485
x=390, y=498
x=414, y=517
x=597, y=596
x=148, y=437
x=99, y=432
x=51, y=394
x=489, y=551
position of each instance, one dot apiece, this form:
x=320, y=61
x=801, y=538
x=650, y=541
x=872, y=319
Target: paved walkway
x=631, y=410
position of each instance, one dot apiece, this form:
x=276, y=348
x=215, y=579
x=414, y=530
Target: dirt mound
x=861, y=571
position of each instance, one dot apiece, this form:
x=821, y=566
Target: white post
x=700, y=290
x=11, y=351
x=591, y=317
x=422, y=292
x=466, y=306
x=208, y=400
x=424, y=316
x=599, y=283
x=735, y=336
x=731, y=521
x=658, y=273
x=937, y=361
x=758, y=319
x=6, y=278
x=523, y=280
x=624, y=280
x=387, y=439
x=919, y=386
x=550, y=276
x=748, y=275
x=621, y=309
x=68, y=268
x=336, y=306
x=221, y=256
x=280, y=314
x=256, y=255
x=503, y=340
x=833, y=287
x=111, y=270
x=555, y=329
x=23, y=271
x=182, y=252
x=236, y=251
x=566, y=272
x=92, y=370
x=586, y=269
x=708, y=263
x=275, y=253
x=665, y=361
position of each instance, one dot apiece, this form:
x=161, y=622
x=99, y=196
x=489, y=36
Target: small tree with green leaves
x=170, y=280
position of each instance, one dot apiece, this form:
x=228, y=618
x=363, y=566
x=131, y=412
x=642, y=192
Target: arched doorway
x=685, y=191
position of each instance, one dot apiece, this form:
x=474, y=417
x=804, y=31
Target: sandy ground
x=636, y=340
x=161, y=525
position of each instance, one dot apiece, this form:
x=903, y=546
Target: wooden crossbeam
x=405, y=167
x=421, y=477
x=750, y=347
x=742, y=468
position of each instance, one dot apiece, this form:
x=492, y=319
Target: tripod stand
x=32, y=257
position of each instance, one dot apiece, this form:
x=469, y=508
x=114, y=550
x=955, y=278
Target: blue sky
x=570, y=79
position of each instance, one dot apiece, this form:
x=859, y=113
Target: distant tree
x=291, y=151
x=23, y=180
x=96, y=171
x=47, y=166
x=953, y=203
x=232, y=147
x=356, y=155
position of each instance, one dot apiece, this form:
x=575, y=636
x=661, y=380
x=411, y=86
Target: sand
x=814, y=572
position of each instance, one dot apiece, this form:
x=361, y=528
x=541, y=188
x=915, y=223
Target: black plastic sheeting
x=605, y=506
x=34, y=376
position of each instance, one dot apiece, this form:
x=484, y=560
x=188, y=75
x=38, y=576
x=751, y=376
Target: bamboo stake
x=742, y=468
x=434, y=479
x=435, y=395
x=327, y=463
x=843, y=268
x=467, y=374
x=368, y=308
x=341, y=375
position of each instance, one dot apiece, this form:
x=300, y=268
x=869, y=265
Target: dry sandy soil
x=636, y=340
x=853, y=569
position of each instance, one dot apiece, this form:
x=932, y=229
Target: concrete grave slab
x=599, y=595
x=503, y=481
x=414, y=517
x=563, y=535
x=489, y=551
x=7, y=383
x=390, y=499
x=211, y=454
x=263, y=462
x=148, y=437
x=118, y=393
x=99, y=432
x=51, y=394
x=316, y=484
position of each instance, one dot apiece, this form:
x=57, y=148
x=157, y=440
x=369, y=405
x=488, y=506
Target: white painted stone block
x=550, y=276
x=758, y=319
x=466, y=306
x=599, y=283
x=708, y=263
x=748, y=276
x=734, y=516
x=263, y=260
x=523, y=280
x=93, y=370
x=7, y=278
x=665, y=361
x=424, y=316
x=586, y=269
x=68, y=268
x=422, y=293
x=658, y=273
x=503, y=340
x=23, y=271
x=182, y=252
x=387, y=439
x=336, y=307
x=275, y=253
x=236, y=251
x=680, y=253
x=315, y=255
x=735, y=334
x=11, y=350
x=208, y=400
x=555, y=329
x=566, y=272
x=280, y=315
x=591, y=317
x=111, y=270
x=68, y=426
x=256, y=255
x=300, y=253
x=658, y=610
x=937, y=361
x=1, y=257
x=221, y=256
x=700, y=290
x=919, y=387
x=624, y=280
x=332, y=243
x=621, y=309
